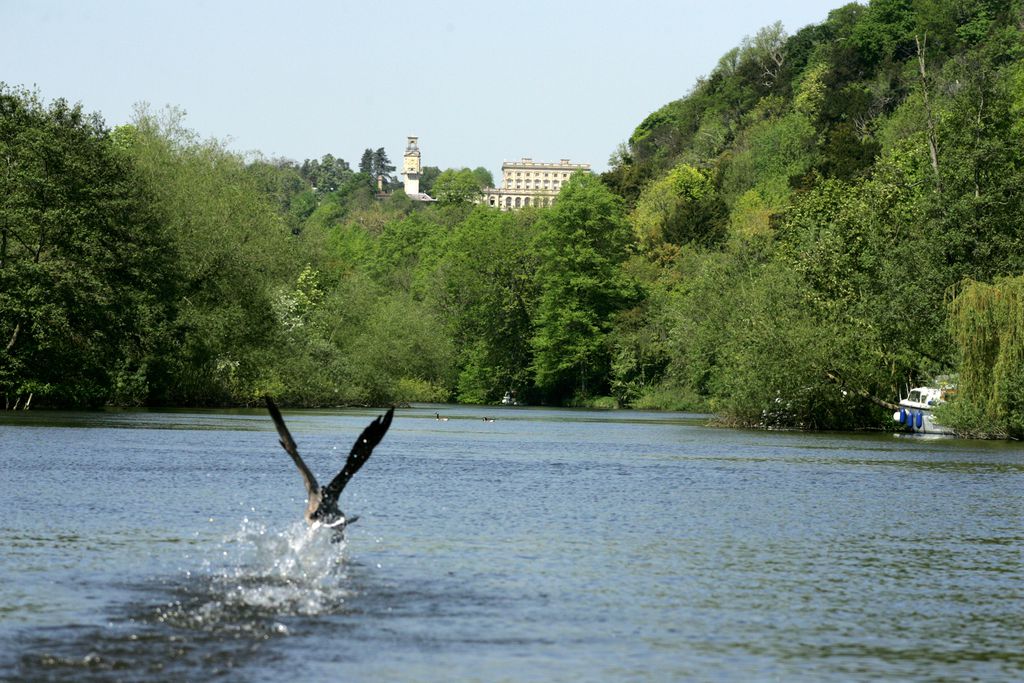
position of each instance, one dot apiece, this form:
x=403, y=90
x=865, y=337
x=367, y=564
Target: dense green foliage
x=581, y=245
x=785, y=246
x=987, y=322
x=84, y=269
x=864, y=165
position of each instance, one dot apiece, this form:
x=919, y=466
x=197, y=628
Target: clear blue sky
x=479, y=82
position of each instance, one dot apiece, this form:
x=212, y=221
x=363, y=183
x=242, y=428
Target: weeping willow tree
x=987, y=326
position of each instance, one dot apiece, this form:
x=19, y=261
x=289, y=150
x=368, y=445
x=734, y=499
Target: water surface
x=547, y=545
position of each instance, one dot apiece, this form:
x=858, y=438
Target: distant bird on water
x=488, y=419
x=322, y=503
x=437, y=416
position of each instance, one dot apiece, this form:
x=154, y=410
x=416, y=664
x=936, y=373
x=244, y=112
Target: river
x=548, y=545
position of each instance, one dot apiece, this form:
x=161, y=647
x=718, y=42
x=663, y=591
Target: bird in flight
x=322, y=502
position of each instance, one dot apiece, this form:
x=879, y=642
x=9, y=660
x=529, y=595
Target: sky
x=479, y=81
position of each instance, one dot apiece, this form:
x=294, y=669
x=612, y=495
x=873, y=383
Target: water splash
x=298, y=570
x=257, y=577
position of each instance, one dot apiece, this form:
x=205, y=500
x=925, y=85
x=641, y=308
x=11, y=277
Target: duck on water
x=322, y=501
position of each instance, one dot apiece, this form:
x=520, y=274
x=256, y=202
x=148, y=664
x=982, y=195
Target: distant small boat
x=915, y=411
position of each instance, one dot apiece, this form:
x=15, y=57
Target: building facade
x=530, y=183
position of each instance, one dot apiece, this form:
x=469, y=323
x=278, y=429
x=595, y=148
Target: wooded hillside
x=778, y=245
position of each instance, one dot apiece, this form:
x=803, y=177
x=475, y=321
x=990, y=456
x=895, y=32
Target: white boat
x=915, y=412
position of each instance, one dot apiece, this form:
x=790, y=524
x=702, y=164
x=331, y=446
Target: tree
x=428, y=176
x=768, y=155
x=400, y=352
x=978, y=212
x=456, y=187
x=84, y=272
x=366, y=162
x=780, y=363
x=400, y=247
x=764, y=54
x=639, y=339
x=680, y=208
x=987, y=323
x=581, y=244
x=382, y=166
x=233, y=250
x=482, y=285
x=326, y=175
x=483, y=177
x=288, y=188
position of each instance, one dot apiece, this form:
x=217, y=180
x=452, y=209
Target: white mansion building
x=530, y=183
x=524, y=183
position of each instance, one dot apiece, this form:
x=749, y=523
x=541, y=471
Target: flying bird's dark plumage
x=322, y=506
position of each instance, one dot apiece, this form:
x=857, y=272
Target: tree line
x=825, y=219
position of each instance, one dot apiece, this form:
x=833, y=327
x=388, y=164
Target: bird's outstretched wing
x=288, y=444
x=361, y=450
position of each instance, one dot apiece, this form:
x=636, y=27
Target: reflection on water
x=549, y=544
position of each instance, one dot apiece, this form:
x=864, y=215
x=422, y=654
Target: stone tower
x=411, y=170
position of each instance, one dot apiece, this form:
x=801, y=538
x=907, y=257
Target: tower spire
x=411, y=170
